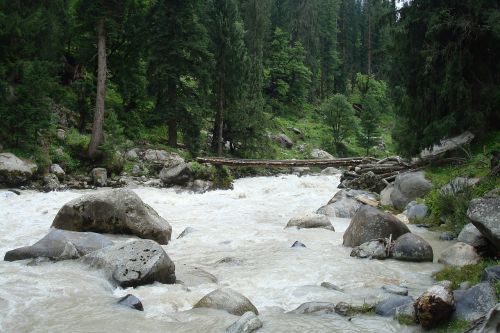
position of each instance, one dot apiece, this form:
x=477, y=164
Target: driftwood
x=284, y=163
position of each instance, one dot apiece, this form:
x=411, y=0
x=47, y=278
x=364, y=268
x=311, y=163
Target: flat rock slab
x=119, y=211
x=228, y=300
x=61, y=245
x=387, y=307
x=313, y=307
x=134, y=264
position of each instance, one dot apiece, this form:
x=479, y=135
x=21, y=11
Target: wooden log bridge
x=233, y=162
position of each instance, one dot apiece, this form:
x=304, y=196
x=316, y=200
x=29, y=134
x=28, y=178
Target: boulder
x=492, y=321
x=57, y=170
x=201, y=186
x=411, y=247
x=459, y=254
x=178, y=174
x=193, y=276
x=136, y=170
x=375, y=249
x=130, y=301
x=343, y=208
x=133, y=264
x=132, y=154
x=14, y=171
x=330, y=171
x=50, y=182
x=99, y=177
x=331, y=286
x=385, y=195
x=61, y=245
x=434, y=306
x=408, y=187
x=310, y=220
x=247, y=323
x=387, y=307
x=485, y=215
x=475, y=302
x=283, y=140
x=298, y=244
x=458, y=185
x=228, y=300
x=406, y=311
x=61, y=134
x=472, y=236
x=312, y=307
x=491, y=274
x=119, y=211
x=415, y=210
x=157, y=156
x=396, y=290
x=370, y=223
x=321, y=154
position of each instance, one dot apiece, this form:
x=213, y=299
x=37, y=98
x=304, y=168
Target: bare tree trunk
x=369, y=39
x=220, y=120
x=172, y=122
x=97, y=127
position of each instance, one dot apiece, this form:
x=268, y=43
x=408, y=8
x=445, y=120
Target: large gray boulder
x=157, y=156
x=472, y=236
x=57, y=170
x=411, y=247
x=283, y=140
x=310, y=220
x=61, y=245
x=14, y=171
x=375, y=249
x=459, y=255
x=50, y=182
x=475, y=302
x=485, y=215
x=345, y=203
x=228, y=300
x=247, y=323
x=119, y=211
x=321, y=154
x=134, y=264
x=408, y=187
x=434, y=306
x=178, y=174
x=370, y=223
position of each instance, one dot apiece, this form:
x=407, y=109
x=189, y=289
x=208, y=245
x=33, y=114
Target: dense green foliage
x=219, y=76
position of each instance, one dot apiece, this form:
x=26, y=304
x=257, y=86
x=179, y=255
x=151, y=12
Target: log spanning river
x=240, y=239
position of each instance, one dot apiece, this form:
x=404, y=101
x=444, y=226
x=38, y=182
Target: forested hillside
x=225, y=77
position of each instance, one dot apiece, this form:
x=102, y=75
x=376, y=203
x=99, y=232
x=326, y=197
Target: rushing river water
x=245, y=227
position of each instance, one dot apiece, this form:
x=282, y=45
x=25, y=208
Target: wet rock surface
x=310, y=220
x=132, y=302
x=411, y=247
x=228, y=300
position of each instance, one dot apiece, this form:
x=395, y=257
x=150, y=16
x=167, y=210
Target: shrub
x=222, y=177
x=77, y=142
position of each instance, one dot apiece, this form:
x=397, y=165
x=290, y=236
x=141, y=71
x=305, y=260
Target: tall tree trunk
x=172, y=121
x=220, y=119
x=369, y=39
x=97, y=127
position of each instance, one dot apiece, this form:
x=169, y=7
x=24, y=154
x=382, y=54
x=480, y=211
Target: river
x=244, y=226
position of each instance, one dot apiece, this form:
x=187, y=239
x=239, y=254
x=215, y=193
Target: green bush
x=63, y=158
x=201, y=171
x=77, y=142
x=222, y=177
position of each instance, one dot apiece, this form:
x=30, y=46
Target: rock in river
x=134, y=264
x=370, y=223
x=118, y=211
x=228, y=300
x=247, y=323
x=311, y=220
x=411, y=247
x=387, y=307
x=132, y=302
x=14, y=171
x=61, y=245
x=375, y=249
